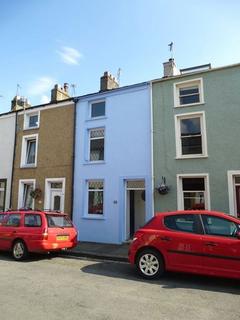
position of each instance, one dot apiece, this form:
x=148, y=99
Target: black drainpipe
x=14, y=155
x=73, y=154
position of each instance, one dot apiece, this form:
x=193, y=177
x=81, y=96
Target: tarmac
x=104, y=251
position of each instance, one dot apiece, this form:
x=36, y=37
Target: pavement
x=114, y=252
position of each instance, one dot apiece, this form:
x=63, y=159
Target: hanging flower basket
x=163, y=188
x=36, y=194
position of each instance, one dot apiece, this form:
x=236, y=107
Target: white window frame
x=24, y=151
x=22, y=182
x=231, y=174
x=178, y=118
x=89, y=144
x=47, y=195
x=27, y=115
x=90, y=109
x=86, y=213
x=186, y=84
x=180, y=198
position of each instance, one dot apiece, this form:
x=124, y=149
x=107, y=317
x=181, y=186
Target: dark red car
x=23, y=231
x=201, y=242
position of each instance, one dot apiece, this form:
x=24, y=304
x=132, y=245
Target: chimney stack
x=108, y=82
x=58, y=93
x=19, y=103
x=170, y=69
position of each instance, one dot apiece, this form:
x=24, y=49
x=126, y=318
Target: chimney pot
x=108, y=82
x=170, y=69
x=58, y=93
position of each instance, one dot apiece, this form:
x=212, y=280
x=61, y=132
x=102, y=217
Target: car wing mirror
x=238, y=235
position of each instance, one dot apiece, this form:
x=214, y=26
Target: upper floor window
x=29, y=151
x=96, y=137
x=97, y=109
x=188, y=93
x=190, y=135
x=31, y=120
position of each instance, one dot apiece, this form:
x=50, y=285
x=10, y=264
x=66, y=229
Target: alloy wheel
x=149, y=264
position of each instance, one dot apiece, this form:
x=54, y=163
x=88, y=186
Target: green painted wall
x=222, y=111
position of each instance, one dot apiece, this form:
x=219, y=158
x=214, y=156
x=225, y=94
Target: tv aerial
x=73, y=86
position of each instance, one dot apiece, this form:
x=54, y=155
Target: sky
x=55, y=41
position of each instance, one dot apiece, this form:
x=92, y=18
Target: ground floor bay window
x=193, y=192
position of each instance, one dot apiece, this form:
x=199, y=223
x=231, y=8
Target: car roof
x=20, y=211
x=202, y=212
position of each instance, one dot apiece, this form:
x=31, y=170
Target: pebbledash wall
x=127, y=164
x=7, y=134
x=221, y=163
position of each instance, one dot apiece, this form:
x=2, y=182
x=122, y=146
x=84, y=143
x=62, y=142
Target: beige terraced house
x=43, y=158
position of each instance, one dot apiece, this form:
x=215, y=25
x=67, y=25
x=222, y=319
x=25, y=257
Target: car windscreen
x=61, y=221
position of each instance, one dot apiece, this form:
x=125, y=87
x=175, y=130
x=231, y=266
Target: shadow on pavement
x=6, y=256
x=168, y=281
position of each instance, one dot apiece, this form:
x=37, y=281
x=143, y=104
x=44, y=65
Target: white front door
x=56, y=200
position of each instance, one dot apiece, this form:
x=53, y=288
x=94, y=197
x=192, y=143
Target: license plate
x=62, y=238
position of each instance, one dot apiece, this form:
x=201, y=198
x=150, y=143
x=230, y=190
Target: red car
x=200, y=242
x=35, y=231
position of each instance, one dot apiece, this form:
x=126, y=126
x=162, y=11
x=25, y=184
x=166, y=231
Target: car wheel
x=150, y=264
x=19, y=250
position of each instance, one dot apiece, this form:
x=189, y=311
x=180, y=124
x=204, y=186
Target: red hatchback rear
x=201, y=242
x=35, y=231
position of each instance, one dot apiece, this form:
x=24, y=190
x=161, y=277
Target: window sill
x=93, y=217
x=94, y=162
x=30, y=166
x=96, y=118
x=189, y=105
x=32, y=128
x=197, y=156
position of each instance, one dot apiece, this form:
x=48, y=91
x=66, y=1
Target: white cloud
x=70, y=55
x=41, y=86
x=44, y=99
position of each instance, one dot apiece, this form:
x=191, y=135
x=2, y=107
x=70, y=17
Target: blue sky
x=75, y=41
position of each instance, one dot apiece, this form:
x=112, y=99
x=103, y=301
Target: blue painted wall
x=127, y=156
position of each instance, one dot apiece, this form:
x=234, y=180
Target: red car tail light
x=45, y=234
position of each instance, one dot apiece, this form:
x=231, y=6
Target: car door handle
x=211, y=244
x=165, y=238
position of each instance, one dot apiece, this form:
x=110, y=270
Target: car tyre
x=19, y=250
x=150, y=264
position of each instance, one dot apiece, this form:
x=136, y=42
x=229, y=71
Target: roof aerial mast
x=171, y=49
x=119, y=75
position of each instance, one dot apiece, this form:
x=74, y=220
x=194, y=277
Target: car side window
x=219, y=226
x=13, y=220
x=32, y=220
x=184, y=223
x=2, y=218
